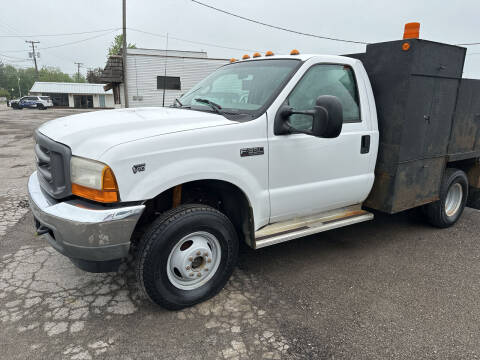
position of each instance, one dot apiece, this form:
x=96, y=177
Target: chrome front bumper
x=94, y=237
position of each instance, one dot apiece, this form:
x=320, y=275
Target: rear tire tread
x=435, y=212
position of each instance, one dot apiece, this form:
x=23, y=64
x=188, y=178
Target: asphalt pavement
x=391, y=288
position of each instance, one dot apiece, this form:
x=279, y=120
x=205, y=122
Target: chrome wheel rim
x=193, y=260
x=454, y=199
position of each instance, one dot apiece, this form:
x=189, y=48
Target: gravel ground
x=390, y=288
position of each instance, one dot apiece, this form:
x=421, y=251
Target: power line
x=191, y=41
x=76, y=42
x=64, y=44
x=279, y=27
x=63, y=34
x=476, y=43
x=14, y=57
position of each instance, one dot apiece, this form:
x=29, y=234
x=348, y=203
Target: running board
x=292, y=229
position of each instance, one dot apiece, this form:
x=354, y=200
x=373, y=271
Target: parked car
x=32, y=102
x=262, y=151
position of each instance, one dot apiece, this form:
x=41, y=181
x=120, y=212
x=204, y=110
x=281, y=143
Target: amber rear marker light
x=294, y=52
x=232, y=60
x=412, y=31
x=269, y=53
x=257, y=54
x=406, y=46
x=245, y=57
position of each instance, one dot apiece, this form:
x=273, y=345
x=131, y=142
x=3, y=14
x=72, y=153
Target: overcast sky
x=370, y=21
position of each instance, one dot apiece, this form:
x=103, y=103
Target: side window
x=325, y=79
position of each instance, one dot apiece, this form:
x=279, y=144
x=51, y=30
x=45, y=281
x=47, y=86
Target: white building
x=77, y=95
x=157, y=77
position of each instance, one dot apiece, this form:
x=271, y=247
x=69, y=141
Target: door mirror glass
x=324, y=120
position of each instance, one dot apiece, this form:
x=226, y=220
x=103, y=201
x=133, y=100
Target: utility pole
x=34, y=55
x=19, y=91
x=78, y=70
x=124, y=52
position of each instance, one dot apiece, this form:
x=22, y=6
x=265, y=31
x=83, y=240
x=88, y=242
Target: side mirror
x=327, y=118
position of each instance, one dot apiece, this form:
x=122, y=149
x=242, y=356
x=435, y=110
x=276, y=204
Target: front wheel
x=186, y=256
x=453, y=197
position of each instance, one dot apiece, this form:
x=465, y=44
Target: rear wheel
x=40, y=107
x=186, y=256
x=453, y=197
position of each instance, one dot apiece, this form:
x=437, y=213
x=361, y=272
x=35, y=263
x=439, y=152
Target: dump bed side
x=426, y=118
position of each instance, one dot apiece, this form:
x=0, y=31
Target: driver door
x=307, y=174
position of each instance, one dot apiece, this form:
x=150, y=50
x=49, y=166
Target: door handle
x=365, y=145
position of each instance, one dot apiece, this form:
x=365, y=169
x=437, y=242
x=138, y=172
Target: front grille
x=53, y=166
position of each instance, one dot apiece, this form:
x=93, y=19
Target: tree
x=11, y=78
x=94, y=75
x=117, y=45
x=4, y=93
x=54, y=74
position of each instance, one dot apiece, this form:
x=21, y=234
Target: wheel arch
x=222, y=195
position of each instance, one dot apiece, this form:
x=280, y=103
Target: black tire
x=40, y=107
x=161, y=238
x=436, y=212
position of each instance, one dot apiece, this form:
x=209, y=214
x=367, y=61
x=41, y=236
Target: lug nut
x=209, y=260
x=199, y=274
x=205, y=254
x=206, y=269
x=190, y=258
x=199, y=253
x=191, y=274
x=187, y=267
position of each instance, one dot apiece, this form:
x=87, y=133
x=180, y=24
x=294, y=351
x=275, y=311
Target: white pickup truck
x=262, y=151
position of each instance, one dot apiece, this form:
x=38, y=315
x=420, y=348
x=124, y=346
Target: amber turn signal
x=245, y=57
x=294, y=52
x=269, y=53
x=232, y=60
x=257, y=54
x=108, y=194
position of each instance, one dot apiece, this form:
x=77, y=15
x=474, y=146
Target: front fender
x=150, y=186
x=204, y=154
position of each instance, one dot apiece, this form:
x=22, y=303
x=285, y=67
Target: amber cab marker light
x=406, y=46
x=232, y=60
x=245, y=57
x=269, y=53
x=294, y=52
x=412, y=31
x=257, y=54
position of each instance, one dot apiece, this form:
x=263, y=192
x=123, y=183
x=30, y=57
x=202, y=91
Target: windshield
x=241, y=88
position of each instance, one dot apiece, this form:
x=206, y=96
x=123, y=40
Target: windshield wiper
x=217, y=108
x=178, y=101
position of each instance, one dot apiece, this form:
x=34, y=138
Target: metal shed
x=78, y=95
x=157, y=77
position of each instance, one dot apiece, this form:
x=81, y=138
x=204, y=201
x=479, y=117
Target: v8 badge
x=138, y=167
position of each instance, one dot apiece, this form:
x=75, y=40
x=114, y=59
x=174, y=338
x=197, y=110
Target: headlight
x=93, y=180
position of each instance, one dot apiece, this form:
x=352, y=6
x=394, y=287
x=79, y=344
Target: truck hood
x=91, y=134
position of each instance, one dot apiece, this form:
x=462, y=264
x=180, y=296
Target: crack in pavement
x=46, y=293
